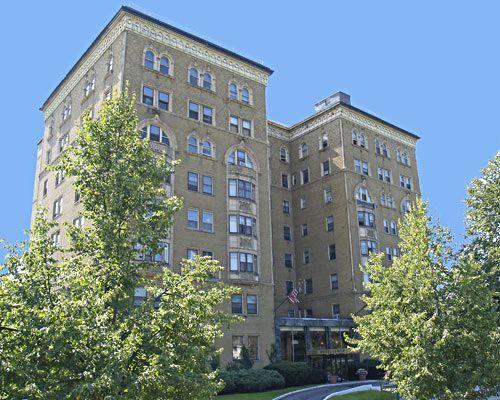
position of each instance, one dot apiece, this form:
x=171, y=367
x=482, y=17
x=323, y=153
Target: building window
x=193, y=76
x=395, y=252
x=327, y=194
x=309, y=286
x=77, y=196
x=361, y=167
x=291, y=313
x=304, y=230
x=303, y=203
x=405, y=206
x=325, y=168
x=386, y=226
x=240, y=158
x=384, y=175
x=289, y=287
x=241, y=189
x=193, y=218
x=286, y=207
x=237, y=304
x=149, y=59
x=246, y=127
x=243, y=225
x=304, y=176
x=164, y=65
x=329, y=223
x=362, y=194
x=283, y=154
x=163, y=101
x=56, y=238
x=63, y=142
x=247, y=261
x=207, y=149
x=233, y=91
x=192, y=181
x=207, y=81
x=48, y=156
x=366, y=219
x=332, y=254
x=287, y=233
x=303, y=150
x=147, y=96
x=234, y=124
x=45, y=187
x=208, y=115
x=245, y=95
x=191, y=254
x=306, y=257
x=294, y=180
x=362, y=141
x=367, y=247
x=111, y=61
x=354, y=138
x=207, y=219
x=192, y=145
x=394, y=228
x=194, y=110
x=284, y=181
x=252, y=304
x=208, y=187
x=237, y=343
x=57, y=208
x=334, y=281
x=336, y=310
x=388, y=254
x=323, y=141
x=405, y=182
x=288, y=260
x=59, y=178
x=78, y=222
x=156, y=134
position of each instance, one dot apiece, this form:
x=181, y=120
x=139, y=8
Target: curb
x=333, y=385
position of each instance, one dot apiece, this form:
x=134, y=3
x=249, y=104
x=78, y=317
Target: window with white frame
x=405, y=182
x=241, y=189
x=283, y=154
x=361, y=167
x=193, y=76
x=288, y=260
x=286, y=207
x=207, y=148
x=56, y=238
x=303, y=203
x=334, y=281
x=242, y=225
x=45, y=187
x=63, y=141
x=193, y=219
x=207, y=221
x=362, y=194
x=388, y=254
x=149, y=59
x=329, y=223
x=389, y=200
x=383, y=200
x=405, y=206
x=163, y=100
x=66, y=113
x=381, y=148
x=233, y=91
x=207, y=81
x=78, y=222
x=192, y=181
x=155, y=134
x=57, y=208
x=287, y=233
x=252, y=307
x=306, y=256
x=332, y=253
x=323, y=141
x=111, y=61
x=192, y=144
x=325, y=168
x=242, y=262
x=304, y=231
x=59, y=178
x=207, y=185
x=304, y=176
x=240, y=158
x=386, y=226
x=191, y=254
x=303, y=150
x=366, y=218
x=148, y=95
x=246, y=127
x=394, y=228
x=384, y=175
x=89, y=86
x=245, y=95
x=368, y=246
x=395, y=252
x=327, y=195
x=284, y=181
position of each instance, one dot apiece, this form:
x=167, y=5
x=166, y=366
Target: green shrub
x=250, y=380
x=299, y=373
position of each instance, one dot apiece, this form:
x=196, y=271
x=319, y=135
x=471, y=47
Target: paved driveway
x=320, y=392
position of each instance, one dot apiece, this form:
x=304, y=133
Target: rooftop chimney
x=338, y=97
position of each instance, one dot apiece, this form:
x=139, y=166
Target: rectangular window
x=233, y=224
x=366, y=219
x=63, y=142
x=288, y=260
x=329, y=223
x=332, y=254
x=251, y=304
x=289, y=287
x=237, y=304
x=193, y=217
x=336, y=311
x=246, y=127
x=208, y=253
x=303, y=203
x=163, y=100
x=388, y=253
x=386, y=226
x=232, y=187
x=309, y=313
x=253, y=347
x=323, y=142
x=45, y=187
x=325, y=168
x=56, y=238
x=57, y=208
x=237, y=346
x=367, y=247
x=77, y=196
x=395, y=251
x=284, y=181
x=148, y=95
x=233, y=124
x=304, y=176
x=207, y=219
x=306, y=256
x=384, y=175
x=48, y=156
x=233, y=262
x=304, y=230
x=327, y=193
x=287, y=233
x=286, y=207
x=78, y=222
x=194, y=110
x=193, y=181
x=191, y=254
x=291, y=313
x=394, y=228
x=309, y=286
x=208, y=187
x=207, y=115
x=334, y=281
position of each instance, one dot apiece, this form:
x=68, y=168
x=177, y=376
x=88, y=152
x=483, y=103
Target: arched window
x=304, y=150
x=233, y=91
x=207, y=81
x=362, y=141
x=164, y=65
x=193, y=76
x=383, y=149
x=111, y=61
x=362, y=194
x=206, y=148
x=149, y=59
x=283, y=154
x=245, y=95
x=192, y=145
x=405, y=206
x=240, y=158
x=155, y=134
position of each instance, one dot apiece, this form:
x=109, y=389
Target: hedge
x=250, y=380
x=371, y=367
x=298, y=373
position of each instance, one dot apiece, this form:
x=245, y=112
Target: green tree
x=70, y=327
x=432, y=321
x=483, y=221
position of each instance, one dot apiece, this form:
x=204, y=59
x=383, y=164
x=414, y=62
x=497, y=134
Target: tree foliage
x=69, y=327
x=432, y=320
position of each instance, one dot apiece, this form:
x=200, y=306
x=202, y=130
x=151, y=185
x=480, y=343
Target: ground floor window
x=253, y=347
x=237, y=347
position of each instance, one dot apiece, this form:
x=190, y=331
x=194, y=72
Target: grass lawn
x=366, y=395
x=260, y=395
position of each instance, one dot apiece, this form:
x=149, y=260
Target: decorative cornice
x=161, y=35
x=299, y=130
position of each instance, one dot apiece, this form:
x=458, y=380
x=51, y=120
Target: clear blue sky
x=429, y=67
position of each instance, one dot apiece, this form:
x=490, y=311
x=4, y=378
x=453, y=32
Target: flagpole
x=283, y=302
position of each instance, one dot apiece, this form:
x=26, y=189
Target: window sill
x=241, y=102
x=155, y=108
x=88, y=96
x=158, y=73
x=212, y=91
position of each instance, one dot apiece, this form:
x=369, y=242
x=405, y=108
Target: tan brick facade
x=124, y=43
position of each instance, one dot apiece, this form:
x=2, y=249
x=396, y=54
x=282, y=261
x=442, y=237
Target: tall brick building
x=281, y=208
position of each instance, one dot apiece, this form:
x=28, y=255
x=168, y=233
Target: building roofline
x=172, y=28
x=351, y=107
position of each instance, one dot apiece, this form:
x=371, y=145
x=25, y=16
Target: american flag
x=293, y=296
